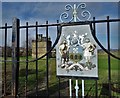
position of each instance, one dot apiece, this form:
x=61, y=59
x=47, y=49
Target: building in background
x=42, y=47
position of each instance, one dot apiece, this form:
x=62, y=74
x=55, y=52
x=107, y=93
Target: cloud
x=51, y=11
x=41, y=11
x=26, y=11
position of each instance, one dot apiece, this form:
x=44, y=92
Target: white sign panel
x=76, y=52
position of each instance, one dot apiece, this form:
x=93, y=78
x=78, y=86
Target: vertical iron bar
x=15, y=56
x=47, y=57
x=109, y=65
x=36, y=58
x=26, y=81
x=96, y=83
x=59, y=87
x=5, y=57
x=58, y=77
x=118, y=43
x=94, y=26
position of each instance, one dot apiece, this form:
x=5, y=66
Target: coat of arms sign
x=76, y=52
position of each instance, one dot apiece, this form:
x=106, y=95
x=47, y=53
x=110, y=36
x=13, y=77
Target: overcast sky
x=51, y=11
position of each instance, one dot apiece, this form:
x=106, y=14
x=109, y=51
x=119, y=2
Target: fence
x=15, y=85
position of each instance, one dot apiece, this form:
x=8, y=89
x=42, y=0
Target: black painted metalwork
x=96, y=82
x=58, y=77
x=5, y=57
x=36, y=58
x=15, y=54
x=60, y=24
x=47, y=65
x=26, y=75
x=109, y=60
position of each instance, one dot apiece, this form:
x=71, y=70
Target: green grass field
x=53, y=80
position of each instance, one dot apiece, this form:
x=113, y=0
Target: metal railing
x=16, y=56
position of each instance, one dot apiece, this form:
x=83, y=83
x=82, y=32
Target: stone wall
x=41, y=50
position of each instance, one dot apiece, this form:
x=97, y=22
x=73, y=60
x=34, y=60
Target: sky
x=42, y=11
x=60, y=0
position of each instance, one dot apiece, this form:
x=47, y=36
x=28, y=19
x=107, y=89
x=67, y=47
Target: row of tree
x=8, y=51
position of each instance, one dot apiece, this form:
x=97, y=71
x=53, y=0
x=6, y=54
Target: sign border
x=92, y=31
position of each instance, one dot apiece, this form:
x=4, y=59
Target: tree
x=24, y=46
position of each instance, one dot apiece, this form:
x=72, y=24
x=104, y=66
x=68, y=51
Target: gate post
x=15, y=56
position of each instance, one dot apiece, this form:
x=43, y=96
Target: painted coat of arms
x=76, y=52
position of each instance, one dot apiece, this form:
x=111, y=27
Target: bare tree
x=26, y=44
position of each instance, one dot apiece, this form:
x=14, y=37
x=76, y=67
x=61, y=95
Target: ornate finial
x=85, y=14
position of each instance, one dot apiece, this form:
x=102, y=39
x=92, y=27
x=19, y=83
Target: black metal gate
x=21, y=80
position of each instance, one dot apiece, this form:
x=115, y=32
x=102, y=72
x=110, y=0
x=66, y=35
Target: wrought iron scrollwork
x=65, y=15
x=85, y=14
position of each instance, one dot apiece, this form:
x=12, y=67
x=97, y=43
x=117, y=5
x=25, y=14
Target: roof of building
x=41, y=38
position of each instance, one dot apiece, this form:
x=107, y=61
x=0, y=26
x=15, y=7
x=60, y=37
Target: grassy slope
x=103, y=73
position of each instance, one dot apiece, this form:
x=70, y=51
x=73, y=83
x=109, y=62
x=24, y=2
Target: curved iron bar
x=57, y=39
x=101, y=46
x=58, y=24
x=81, y=5
x=95, y=38
x=65, y=15
x=84, y=13
x=68, y=7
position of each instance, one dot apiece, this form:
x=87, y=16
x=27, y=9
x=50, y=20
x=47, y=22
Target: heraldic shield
x=76, y=52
